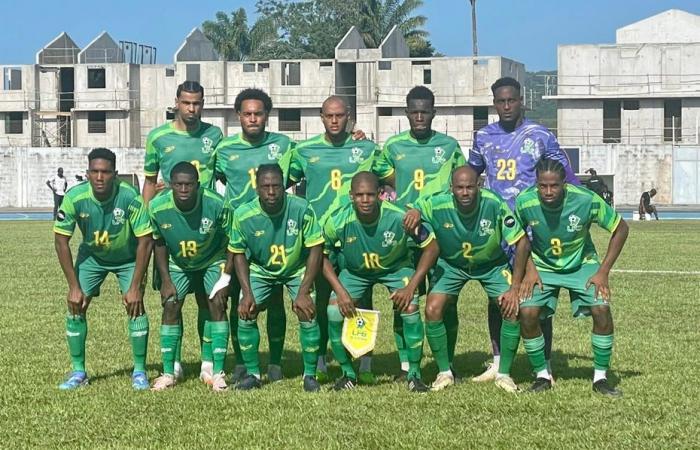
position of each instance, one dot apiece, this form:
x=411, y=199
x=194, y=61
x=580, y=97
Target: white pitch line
x=659, y=272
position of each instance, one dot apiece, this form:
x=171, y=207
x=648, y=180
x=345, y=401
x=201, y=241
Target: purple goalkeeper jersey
x=509, y=159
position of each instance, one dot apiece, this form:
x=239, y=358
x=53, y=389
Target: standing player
x=471, y=224
x=283, y=244
x=117, y=239
x=375, y=249
x=560, y=216
x=190, y=225
x=417, y=162
x=237, y=161
x=507, y=152
x=328, y=162
x=189, y=139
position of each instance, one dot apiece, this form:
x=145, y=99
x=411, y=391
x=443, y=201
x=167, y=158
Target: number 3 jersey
x=561, y=238
x=276, y=246
x=197, y=238
x=109, y=228
x=373, y=250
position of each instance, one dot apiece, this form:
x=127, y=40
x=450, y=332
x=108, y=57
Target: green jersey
x=167, y=146
x=328, y=170
x=471, y=241
x=420, y=168
x=109, y=228
x=561, y=238
x=277, y=246
x=197, y=238
x=237, y=160
x=372, y=250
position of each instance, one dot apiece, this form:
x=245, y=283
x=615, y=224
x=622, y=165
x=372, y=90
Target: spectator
x=645, y=206
x=57, y=183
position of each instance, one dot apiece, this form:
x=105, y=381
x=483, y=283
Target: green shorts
x=448, y=279
x=91, y=274
x=195, y=281
x=264, y=288
x=582, y=299
x=357, y=286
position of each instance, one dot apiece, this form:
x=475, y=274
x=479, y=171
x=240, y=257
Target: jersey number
x=557, y=249
x=418, y=179
x=506, y=169
x=371, y=260
x=279, y=255
x=101, y=238
x=336, y=179
x=188, y=249
x=466, y=249
x=252, y=172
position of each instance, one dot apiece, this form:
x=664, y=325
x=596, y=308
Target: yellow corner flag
x=360, y=332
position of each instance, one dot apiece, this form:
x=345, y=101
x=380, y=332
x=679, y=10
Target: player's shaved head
x=334, y=100
x=364, y=177
x=464, y=172
x=184, y=167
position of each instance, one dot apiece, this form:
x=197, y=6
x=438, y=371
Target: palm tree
x=235, y=41
x=377, y=17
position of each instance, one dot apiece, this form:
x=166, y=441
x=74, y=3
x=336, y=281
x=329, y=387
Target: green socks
x=203, y=318
x=510, y=339
x=335, y=331
x=602, y=351
x=399, y=337
x=249, y=340
x=535, y=352
x=218, y=343
x=437, y=339
x=309, y=335
x=413, y=333
x=451, y=321
x=276, y=330
x=76, y=333
x=138, y=335
x=170, y=337
x=178, y=347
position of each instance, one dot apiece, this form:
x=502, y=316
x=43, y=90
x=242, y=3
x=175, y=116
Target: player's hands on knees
x=509, y=303
x=346, y=305
x=76, y=300
x=246, y=307
x=402, y=298
x=133, y=301
x=167, y=291
x=304, y=307
x=600, y=281
x=530, y=280
x=411, y=220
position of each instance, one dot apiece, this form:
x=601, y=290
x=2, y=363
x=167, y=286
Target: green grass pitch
x=655, y=362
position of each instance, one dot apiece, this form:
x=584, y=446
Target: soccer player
x=507, y=152
x=116, y=239
x=470, y=225
x=190, y=224
x=237, y=161
x=375, y=248
x=645, y=206
x=275, y=241
x=414, y=163
x=186, y=138
x=328, y=162
x=560, y=216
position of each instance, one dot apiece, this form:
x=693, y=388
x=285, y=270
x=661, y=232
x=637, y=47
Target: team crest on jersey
x=205, y=225
x=118, y=216
x=207, y=145
x=292, y=229
x=439, y=157
x=485, y=228
x=273, y=152
x=529, y=147
x=356, y=157
x=389, y=239
x=574, y=224
x=169, y=149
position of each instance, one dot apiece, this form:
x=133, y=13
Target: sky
x=524, y=30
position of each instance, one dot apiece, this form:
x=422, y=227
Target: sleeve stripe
x=143, y=233
x=150, y=174
x=314, y=243
x=618, y=219
x=428, y=240
x=389, y=173
x=62, y=232
x=516, y=238
x=235, y=250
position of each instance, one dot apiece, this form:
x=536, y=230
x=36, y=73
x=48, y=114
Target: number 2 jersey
x=110, y=228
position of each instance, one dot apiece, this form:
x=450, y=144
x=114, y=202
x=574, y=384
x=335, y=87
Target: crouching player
x=375, y=248
x=116, y=239
x=283, y=243
x=560, y=216
x=189, y=224
x=470, y=225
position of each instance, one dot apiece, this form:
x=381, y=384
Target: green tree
x=378, y=17
x=236, y=41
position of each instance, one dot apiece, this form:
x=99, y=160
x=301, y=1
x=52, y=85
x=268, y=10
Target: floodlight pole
x=475, y=47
